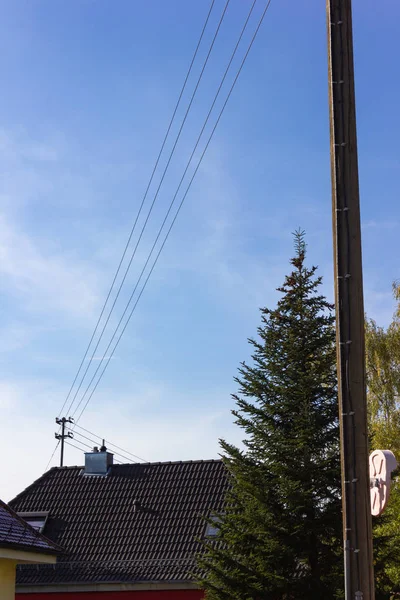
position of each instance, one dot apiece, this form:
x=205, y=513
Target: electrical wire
x=81, y=435
x=83, y=443
x=173, y=199
x=73, y=445
x=171, y=225
x=95, y=442
x=110, y=443
x=142, y=202
x=80, y=449
x=140, y=209
x=130, y=453
x=51, y=457
x=153, y=202
x=90, y=447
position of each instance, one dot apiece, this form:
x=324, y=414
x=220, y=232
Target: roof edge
x=36, y=481
x=54, y=550
x=53, y=547
x=181, y=584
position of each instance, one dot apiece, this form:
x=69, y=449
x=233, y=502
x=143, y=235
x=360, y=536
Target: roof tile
x=141, y=522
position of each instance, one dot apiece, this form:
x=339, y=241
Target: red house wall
x=131, y=595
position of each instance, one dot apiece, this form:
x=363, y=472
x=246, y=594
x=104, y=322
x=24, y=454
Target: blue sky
x=88, y=90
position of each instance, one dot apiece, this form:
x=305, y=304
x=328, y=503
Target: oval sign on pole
x=381, y=465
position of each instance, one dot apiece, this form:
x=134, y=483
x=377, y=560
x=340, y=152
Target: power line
x=110, y=443
x=114, y=446
x=171, y=225
x=73, y=445
x=80, y=449
x=52, y=456
x=142, y=203
x=79, y=441
x=84, y=436
x=83, y=443
x=171, y=204
x=94, y=442
x=90, y=447
x=156, y=194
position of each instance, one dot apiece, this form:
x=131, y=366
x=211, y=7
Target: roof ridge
x=131, y=464
x=175, y=462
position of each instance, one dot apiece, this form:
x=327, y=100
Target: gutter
x=105, y=587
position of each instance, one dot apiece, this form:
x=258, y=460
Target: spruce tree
x=280, y=536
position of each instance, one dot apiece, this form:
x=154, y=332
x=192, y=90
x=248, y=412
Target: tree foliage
x=383, y=380
x=383, y=397
x=280, y=536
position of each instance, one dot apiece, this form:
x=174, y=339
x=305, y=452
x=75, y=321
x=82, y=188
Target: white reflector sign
x=381, y=465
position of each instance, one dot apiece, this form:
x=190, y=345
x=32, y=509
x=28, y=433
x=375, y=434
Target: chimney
x=98, y=462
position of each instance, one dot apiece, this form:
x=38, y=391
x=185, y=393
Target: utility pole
x=62, y=436
x=357, y=529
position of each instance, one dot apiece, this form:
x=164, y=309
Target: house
x=20, y=543
x=130, y=531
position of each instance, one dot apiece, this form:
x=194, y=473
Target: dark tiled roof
x=16, y=534
x=138, y=523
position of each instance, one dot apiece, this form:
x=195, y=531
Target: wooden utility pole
x=357, y=534
x=62, y=436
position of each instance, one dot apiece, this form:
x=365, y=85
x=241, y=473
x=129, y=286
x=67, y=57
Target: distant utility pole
x=62, y=436
x=357, y=534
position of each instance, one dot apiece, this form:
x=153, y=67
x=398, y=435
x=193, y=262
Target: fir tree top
x=280, y=537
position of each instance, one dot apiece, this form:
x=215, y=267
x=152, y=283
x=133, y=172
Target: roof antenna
x=103, y=448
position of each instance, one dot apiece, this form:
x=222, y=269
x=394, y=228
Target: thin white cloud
x=16, y=146
x=221, y=253
x=159, y=422
x=146, y=422
x=379, y=226
x=15, y=335
x=44, y=280
x=10, y=395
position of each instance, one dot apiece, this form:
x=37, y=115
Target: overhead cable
x=107, y=361
x=151, y=207
x=73, y=445
x=110, y=443
x=95, y=442
x=171, y=204
x=52, y=456
x=81, y=449
x=142, y=203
